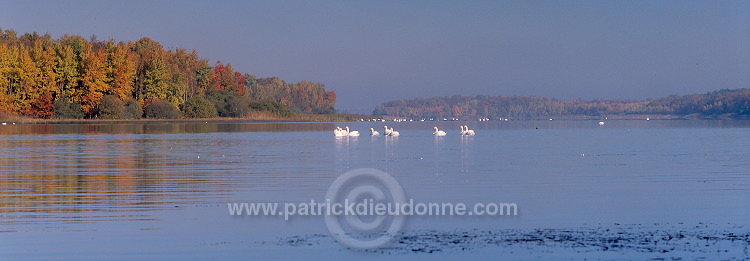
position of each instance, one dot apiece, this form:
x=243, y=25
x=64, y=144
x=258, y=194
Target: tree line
x=74, y=77
x=723, y=102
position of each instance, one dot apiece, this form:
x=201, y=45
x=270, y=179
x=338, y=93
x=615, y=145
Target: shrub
x=325, y=110
x=110, y=107
x=67, y=110
x=239, y=107
x=199, y=107
x=162, y=110
x=271, y=106
x=221, y=100
x=133, y=109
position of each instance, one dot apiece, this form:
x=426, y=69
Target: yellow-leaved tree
x=93, y=80
x=120, y=69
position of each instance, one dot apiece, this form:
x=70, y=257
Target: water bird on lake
x=439, y=132
x=373, y=132
x=338, y=132
x=352, y=133
x=466, y=131
x=601, y=123
x=393, y=133
x=387, y=131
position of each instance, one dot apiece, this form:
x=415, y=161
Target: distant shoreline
x=650, y=117
x=720, y=104
x=353, y=118
x=610, y=117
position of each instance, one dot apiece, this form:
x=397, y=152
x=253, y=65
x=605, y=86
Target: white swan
x=387, y=131
x=393, y=132
x=463, y=132
x=351, y=133
x=438, y=132
x=467, y=131
x=338, y=132
x=373, y=132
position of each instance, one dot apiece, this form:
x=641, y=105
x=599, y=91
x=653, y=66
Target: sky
x=371, y=52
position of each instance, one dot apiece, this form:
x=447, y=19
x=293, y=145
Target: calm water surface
x=159, y=190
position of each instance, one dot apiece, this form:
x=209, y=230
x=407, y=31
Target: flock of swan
x=345, y=132
x=339, y=132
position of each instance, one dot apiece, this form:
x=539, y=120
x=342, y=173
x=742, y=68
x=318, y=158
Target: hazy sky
x=373, y=51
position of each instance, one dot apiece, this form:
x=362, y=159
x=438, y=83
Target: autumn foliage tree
x=225, y=78
x=93, y=81
x=41, y=77
x=120, y=69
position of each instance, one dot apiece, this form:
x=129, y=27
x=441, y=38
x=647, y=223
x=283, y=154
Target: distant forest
x=725, y=103
x=72, y=77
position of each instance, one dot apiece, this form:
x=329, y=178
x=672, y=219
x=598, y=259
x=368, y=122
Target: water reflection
x=438, y=150
x=465, y=152
x=391, y=148
x=161, y=128
x=68, y=178
x=63, y=174
x=343, y=151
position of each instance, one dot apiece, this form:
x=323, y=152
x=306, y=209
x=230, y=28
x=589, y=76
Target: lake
x=160, y=190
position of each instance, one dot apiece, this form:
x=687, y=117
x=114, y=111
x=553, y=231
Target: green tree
x=67, y=71
x=151, y=77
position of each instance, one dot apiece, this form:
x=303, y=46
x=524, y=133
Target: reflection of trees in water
x=63, y=173
x=66, y=177
x=161, y=127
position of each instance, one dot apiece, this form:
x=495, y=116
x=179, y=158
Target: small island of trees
x=718, y=104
